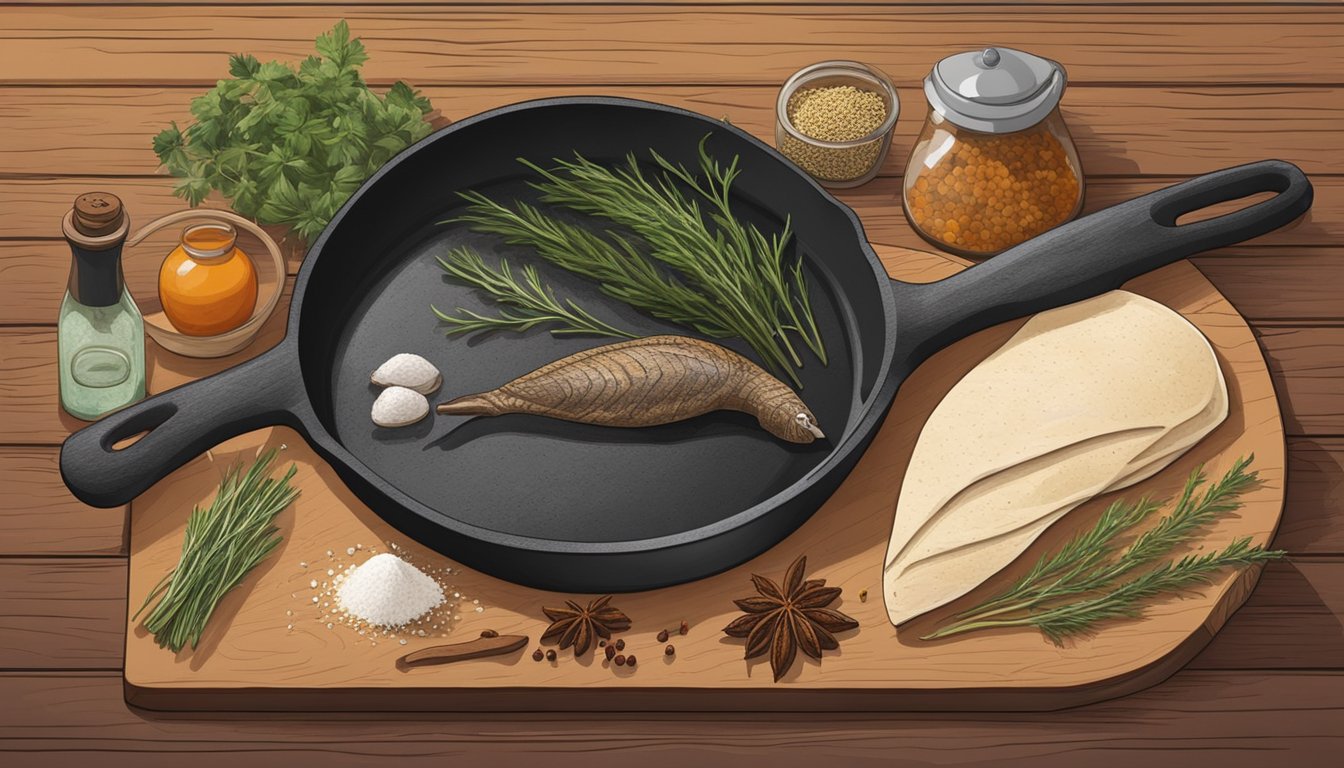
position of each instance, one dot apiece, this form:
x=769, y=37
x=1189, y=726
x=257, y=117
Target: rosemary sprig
x=705, y=269
x=1088, y=566
x=533, y=302
x=222, y=544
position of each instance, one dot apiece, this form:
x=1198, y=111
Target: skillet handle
x=183, y=423
x=1097, y=253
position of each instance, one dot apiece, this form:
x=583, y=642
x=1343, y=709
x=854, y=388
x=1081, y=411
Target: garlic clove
x=399, y=407
x=410, y=371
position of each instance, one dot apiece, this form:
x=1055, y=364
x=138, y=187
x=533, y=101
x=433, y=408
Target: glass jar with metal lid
x=994, y=164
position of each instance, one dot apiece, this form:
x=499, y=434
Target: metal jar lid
x=997, y=90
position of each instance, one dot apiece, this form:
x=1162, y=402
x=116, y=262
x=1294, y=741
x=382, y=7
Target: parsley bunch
x=289, y=146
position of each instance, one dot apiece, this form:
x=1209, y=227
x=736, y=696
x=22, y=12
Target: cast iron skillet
x=590, y=509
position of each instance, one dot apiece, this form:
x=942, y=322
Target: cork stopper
x=97, y=214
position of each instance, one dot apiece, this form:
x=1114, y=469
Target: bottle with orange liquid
x=207, y=285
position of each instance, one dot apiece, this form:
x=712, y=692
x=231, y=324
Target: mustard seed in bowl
x=834, y=120
x=836, y=113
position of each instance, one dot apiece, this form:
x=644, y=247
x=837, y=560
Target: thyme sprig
x=1093, y=568
x=223, y=543
x=533, y=302
x=704, y=268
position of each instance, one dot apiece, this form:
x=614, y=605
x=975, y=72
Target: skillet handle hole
x=127, y=442
x=136, y=427
x=1224, y=208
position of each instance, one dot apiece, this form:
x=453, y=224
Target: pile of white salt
x=387, y=591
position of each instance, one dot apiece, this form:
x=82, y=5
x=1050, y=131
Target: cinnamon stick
x=490, y=643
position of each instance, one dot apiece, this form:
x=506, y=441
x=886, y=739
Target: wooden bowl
x=148, y=247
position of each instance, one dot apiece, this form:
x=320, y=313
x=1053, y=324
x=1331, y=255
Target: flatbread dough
x=1082, y=400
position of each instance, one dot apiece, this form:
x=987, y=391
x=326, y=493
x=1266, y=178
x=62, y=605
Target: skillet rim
x=870, y=411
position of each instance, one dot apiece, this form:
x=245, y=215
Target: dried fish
x=645, y=382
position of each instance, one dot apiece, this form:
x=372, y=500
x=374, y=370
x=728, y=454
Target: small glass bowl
x=837, y=164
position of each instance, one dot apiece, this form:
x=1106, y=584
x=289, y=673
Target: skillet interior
x=373, y=278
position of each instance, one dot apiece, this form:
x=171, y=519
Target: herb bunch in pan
x=1093, y=578
x=686, y=257
x=223, y=543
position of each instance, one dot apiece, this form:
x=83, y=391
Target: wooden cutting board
x=251, y=658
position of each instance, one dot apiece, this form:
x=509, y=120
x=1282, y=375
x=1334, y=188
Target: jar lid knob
x=990, y=57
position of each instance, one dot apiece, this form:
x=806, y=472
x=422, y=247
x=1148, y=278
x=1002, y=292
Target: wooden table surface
x=1158, y=92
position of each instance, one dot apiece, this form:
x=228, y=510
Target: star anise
x=782, y=621
x=577, y=626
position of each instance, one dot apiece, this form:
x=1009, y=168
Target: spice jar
x=834, y=120
x=207, y=285
x=994, y=164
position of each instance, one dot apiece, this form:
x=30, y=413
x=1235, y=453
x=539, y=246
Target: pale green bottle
x=101, y=334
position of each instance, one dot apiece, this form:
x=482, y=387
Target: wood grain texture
x=1292, y=283
x=61, y=613
x=1238, y=720
x=1307, y=364
x=1294, y=619
x=38, y=516
x=588, y=45
x=252, y=660
x=30, y=208
x=1312, y=520
x=1120, y=131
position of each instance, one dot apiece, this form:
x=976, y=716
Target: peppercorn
x=662, y=636
x=620, y=645
x=669, y=650
x=611, y=652
x=537, y=655
x=619, y=660
x=550, y=655
x=630, y=660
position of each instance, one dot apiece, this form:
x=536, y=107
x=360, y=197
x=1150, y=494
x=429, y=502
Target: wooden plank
x=586, y=45
x=1307, y=365
x=1236, y=720
x=38, y=516
x=1298, y=284
x=1312, y=522
x=1120, y=131
x=31, y=208
x=1290, y=621
x=62, y=613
